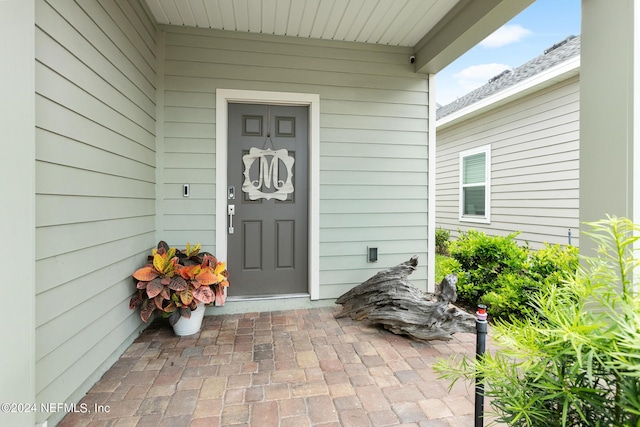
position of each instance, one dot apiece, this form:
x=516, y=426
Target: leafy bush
x=510, y=296
x=553, y=263
x=577, y=362
x=496, y=271
x=483, y=258
x=442, y=262
x=442, y=241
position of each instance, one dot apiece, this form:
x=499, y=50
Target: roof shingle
x=560, y=52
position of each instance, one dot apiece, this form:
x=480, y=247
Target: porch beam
x=467, y=24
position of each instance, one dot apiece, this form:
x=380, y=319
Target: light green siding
x=534, y=166
x=95, y=186
x=373, y=141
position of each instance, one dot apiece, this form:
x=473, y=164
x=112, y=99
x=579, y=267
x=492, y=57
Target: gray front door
x=267, y=187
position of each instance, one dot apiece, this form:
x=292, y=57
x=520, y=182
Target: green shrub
x=553, y=264
x=510, y=296
x=577, y=362
x=442, y=241
x=496, y=271
x=447, y=265
x=482, y=259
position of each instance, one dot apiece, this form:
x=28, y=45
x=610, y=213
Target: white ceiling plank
x=171, y=12
x=321, y=18
x=213, y=13
x=336, y=16
x=282, y=17
x=308, y=18
x=295, y=18
x=421, y=10
x=241, y=13
x=157, y=11
x=350, y=15
x=435, y=14
x=186, y=13
x=227, y=15
x=408, y=19
x=361, y=20
x=200, y=13
x=380, y=18
x=269, y=16
x=255, y=15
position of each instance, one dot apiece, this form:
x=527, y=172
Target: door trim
x=223, y=98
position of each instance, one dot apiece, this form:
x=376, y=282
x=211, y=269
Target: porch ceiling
x=387, y=22
x=438, y=30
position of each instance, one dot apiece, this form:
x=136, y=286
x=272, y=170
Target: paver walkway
x=289, y=368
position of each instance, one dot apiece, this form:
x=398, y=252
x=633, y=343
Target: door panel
x=252, y=245
x=285, y=244
x=267, y=166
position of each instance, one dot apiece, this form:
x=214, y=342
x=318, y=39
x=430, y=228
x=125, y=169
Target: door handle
x=231, y=211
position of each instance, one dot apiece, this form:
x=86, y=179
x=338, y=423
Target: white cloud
x=507, y=34
x=477, y=75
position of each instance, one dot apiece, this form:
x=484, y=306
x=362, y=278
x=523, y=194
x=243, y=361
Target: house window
x=475, y=186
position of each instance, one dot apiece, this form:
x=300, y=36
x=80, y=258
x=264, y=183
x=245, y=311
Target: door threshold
x=267, y=297
x=256, y=304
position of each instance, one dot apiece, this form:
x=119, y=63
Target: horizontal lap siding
x=95, y=184
x=373, y=150
x=534, y=172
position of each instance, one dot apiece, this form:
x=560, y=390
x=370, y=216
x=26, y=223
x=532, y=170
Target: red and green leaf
x=178, y=284
x=146, y=310
x=186, y=296
x=188, y=272
x=220, y=297
x=192, y=250
x=145, y=274
x=206, y=277
x=158, y=301
x=175, y=316
x=159, y=262
x=204, y=294
x=136, y=301
x=154, y=287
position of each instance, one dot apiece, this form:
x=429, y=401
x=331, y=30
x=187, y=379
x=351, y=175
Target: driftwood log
x=388, y=298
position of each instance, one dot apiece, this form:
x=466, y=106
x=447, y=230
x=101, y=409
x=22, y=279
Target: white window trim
x=486, y=218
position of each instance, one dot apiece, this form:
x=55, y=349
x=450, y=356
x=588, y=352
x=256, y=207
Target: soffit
x=385, y=22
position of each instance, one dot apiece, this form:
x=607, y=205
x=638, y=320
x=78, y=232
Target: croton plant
x=175, y=282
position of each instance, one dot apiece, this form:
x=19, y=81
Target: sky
x=526, y=36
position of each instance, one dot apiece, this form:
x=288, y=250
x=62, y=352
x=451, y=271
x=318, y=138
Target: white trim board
x=223, y=98
x=431, y=190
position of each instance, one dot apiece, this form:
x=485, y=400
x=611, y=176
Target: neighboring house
x=122, y=125
x=507, y=153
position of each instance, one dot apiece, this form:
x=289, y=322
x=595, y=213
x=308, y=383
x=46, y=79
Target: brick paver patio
x=288, y=368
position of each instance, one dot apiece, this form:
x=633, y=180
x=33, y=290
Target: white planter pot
x=192, y=325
